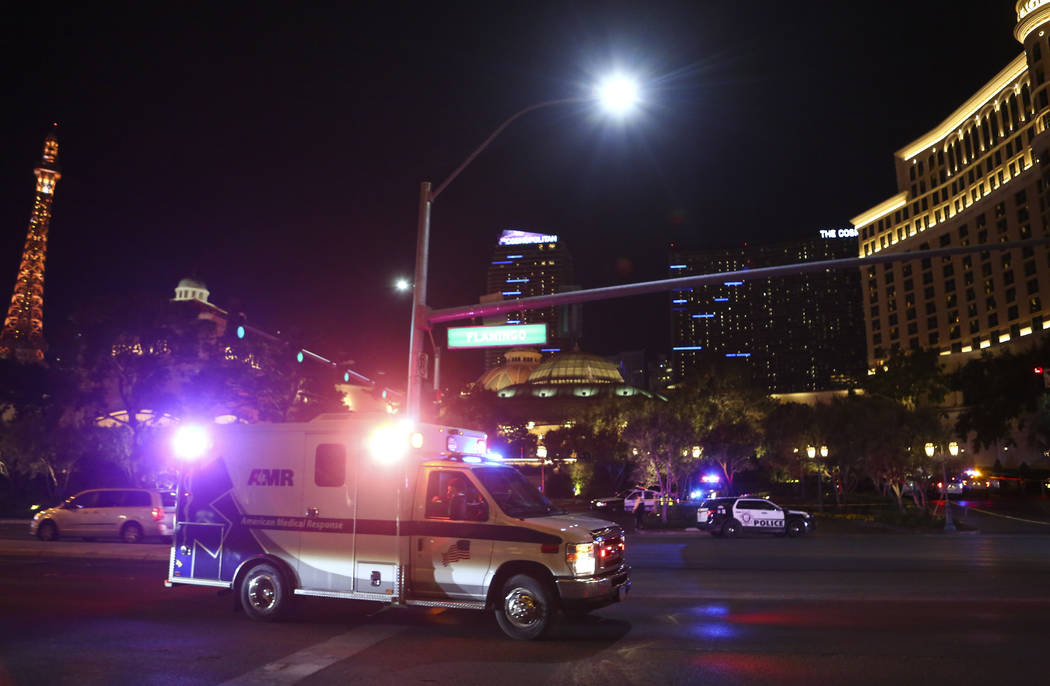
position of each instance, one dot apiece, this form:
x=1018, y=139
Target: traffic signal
x=299, y=357
x=240, y=331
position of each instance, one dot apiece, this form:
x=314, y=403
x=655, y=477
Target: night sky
x=275, y=152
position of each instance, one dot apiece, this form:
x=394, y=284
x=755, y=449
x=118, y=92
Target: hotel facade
x=982, y=176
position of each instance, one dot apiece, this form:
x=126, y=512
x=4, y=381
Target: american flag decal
x=460, y=550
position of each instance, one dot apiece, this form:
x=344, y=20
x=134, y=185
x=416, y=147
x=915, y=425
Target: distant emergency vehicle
x=365, y=508
x=731, y=516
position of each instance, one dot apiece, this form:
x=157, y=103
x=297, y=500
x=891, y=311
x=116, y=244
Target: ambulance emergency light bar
x=391, y=442
x=496, y=336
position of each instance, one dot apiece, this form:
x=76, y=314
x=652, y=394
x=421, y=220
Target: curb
x=150, y=555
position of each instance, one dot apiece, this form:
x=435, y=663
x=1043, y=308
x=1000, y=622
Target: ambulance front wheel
x=526, y=608
x=264, y=593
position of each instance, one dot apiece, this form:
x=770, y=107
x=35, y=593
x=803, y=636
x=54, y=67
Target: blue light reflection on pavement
x=715, y=630
x=712, y=629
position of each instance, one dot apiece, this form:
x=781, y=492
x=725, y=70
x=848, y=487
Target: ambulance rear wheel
x=526, y=608
x=264, y=593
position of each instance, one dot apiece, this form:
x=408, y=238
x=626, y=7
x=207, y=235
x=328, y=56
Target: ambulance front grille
x=611, y=547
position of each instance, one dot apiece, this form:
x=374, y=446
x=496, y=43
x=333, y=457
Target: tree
x=38, y=411
x=662, y=441
x=912, y=378
x=999, y=392
x=726, y=416
x=849, y=428
x=789, y=428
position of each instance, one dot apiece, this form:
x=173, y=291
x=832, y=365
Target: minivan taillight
x=158, y=514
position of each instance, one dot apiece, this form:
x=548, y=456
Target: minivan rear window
x=136, y=499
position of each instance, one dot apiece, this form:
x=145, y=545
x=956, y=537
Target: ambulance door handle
x=311, y=512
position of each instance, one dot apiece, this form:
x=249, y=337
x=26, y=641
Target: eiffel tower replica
x=22, y=336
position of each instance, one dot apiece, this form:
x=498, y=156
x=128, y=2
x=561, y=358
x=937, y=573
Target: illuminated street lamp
x=541, y=453
x=616, y=95
x=403, y=285
x=811, y=453
x=953, y=450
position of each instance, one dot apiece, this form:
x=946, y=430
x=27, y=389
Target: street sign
x=497, y=336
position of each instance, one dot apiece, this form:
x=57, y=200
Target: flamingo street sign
x=496, y=336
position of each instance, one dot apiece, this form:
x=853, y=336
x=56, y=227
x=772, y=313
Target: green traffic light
x=299, y=356
x=240, y=332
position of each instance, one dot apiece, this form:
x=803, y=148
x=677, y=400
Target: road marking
x=301, y=664
x=1016, y=519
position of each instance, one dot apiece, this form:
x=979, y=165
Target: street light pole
x=953, y=448
x=419, y=304
x=616, y=94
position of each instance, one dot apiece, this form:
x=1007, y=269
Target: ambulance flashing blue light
x=190, y=442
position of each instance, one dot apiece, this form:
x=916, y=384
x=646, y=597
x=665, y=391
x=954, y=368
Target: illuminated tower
x=23, y=334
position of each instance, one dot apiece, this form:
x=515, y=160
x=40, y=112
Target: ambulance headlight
x=190, y=442
x=580, y=557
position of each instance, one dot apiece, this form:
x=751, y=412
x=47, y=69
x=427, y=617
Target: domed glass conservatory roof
x=576, y=368
x=520, y=363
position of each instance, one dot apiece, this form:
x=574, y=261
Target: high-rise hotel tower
x=790, y=333
x=526, y=264
x=22, y=336
x=981, y=176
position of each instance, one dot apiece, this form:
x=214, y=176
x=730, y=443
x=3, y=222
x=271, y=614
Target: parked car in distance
x=609, y=503
x=128, y=513
x=735, y=515
x=707, y=509
x=650, y=499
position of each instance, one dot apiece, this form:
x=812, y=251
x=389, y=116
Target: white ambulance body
x=369, y=508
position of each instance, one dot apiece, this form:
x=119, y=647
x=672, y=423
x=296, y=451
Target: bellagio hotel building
x=981, y=176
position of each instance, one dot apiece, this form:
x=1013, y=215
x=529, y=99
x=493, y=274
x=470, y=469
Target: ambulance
x=364, y=507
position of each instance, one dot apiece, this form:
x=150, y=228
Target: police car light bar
x=190, y=442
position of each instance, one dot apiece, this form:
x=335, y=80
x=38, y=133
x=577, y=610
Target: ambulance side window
x=330, y=464
x=444, y=487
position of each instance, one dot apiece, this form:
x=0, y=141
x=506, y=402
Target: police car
x=732, y=516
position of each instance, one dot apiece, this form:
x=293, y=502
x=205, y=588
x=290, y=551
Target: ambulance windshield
x=514, y=495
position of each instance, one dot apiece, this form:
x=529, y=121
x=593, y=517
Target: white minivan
x=128, y=513
x=650, y=499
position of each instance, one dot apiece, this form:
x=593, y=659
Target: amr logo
x=270, y=477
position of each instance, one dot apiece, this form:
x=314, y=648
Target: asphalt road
x=849, y=609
